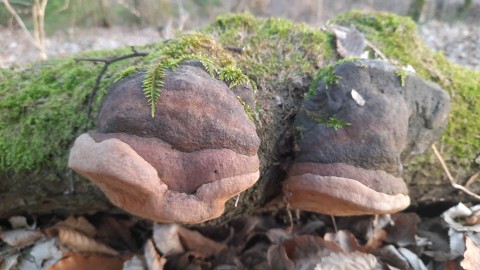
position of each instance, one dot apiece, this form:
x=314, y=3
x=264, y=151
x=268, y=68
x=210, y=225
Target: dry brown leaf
x=44, y=253
x=278, y=259
x=403, y=232
x=307, y=247
x=277, y=235
x=195, y=241
x=9, y=261
x=80, y=224
x=166, y=239
x=20, y=222
x=345, y=239
x=115, y=232
x=473, y=220
x=135, y=263
x=392, y=256
x=154, y=260
x=375, y=241
x=471, y=256
x=350, y=42
x=20, y=237
x=348, y=261
x=79, y=242
x=89, y=262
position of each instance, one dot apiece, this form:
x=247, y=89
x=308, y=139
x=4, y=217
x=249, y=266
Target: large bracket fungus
x=182, y=165
x=356, y=169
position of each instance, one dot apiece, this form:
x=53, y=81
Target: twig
x=472, y=179
x=453, y=182
x=234, y=49
x=19, y=21
x=376, y=50
x=107, y=62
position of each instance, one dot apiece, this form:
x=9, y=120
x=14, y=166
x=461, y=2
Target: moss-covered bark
x=44, y=107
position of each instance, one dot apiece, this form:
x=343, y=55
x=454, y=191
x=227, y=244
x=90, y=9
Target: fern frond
x=152, y=86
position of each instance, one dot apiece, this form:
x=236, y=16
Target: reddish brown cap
x=344, y=190
x=133, y=184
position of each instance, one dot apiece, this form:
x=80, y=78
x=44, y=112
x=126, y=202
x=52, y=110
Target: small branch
x=107, y=62
x=19, y=21
x=234, y=49
x=376, y=50
x=453, y=182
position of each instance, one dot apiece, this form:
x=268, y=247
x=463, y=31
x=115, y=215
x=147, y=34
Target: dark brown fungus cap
x=355, y=170
x=199, y=151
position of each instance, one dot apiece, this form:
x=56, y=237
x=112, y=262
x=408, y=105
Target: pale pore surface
x=340, y=196
x=133, y=184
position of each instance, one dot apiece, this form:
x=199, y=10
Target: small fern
x=199, y=47
x=151, y=86
x=233, y=75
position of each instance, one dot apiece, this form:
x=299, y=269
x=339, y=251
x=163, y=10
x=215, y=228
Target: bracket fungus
x=356, y=169
x=198, y=151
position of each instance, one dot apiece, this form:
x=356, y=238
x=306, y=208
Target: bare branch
x=453, y=182
x=107, y=62
x=19, y=21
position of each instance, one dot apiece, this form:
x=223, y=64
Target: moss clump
x=195, y=46
x=43, y=108
x=327, y=75
x=331, y=122
x=398, y=39
x=275, y=50
x=402, y=74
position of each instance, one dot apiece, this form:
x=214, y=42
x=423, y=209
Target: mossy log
x=45, y=106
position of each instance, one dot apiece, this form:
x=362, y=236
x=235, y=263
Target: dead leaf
x=412, y=259
x=135, y=263
x=403, y=232
x=460, y=211
x=347, y=261
x=392, y=256
x=456, y=243
x=166, y=239
x=350, y=42
x=115, y=232
x=90, y=262
x=20, y=237
x=277, y=235
x=278, y=259
x=358, y=98
x=79, y=242
x=375, y=241
x=345, y=240
x=20, y=222
x=471, y=256
x=195, y=241
x=80, y=224
x=471, y=221
x=154, y=260
x=44, y=253
x=9, y=262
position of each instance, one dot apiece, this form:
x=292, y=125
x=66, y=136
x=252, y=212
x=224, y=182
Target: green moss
x=274, y=50
x=402, y=74
x=43, y=109
x=193, y=46
x=398, y=39
x=331, y=122
x=328, y=76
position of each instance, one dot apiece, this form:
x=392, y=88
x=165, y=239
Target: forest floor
x=284, y=239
